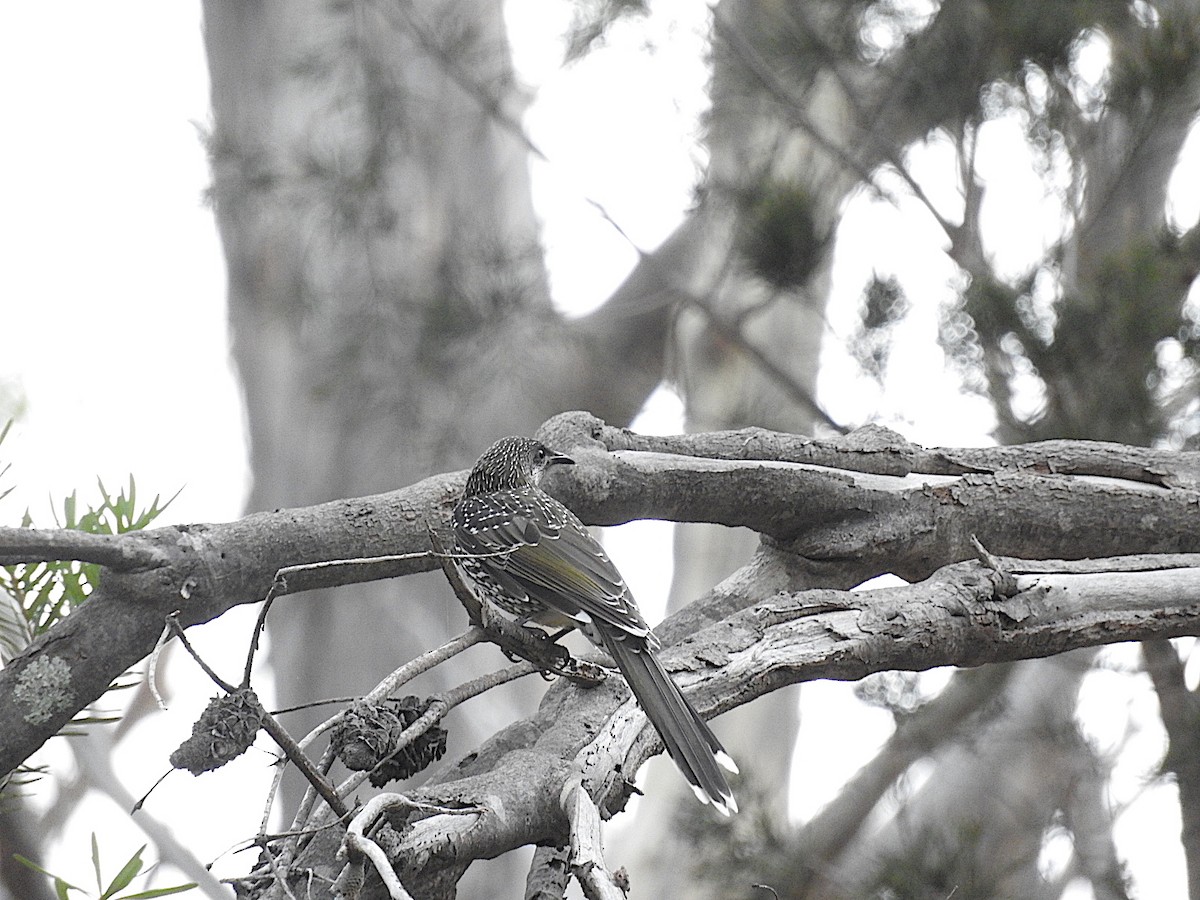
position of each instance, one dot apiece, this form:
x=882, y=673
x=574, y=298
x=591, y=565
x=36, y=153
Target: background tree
x=388, y=301
x=1100, y=331
x=327, y=199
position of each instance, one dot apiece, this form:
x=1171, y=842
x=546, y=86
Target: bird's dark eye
x=541, y=453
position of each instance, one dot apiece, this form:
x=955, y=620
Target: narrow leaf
x=30, y=864
x=158, y=892
x=96, y=863
x=61, y=885
x=127, y=874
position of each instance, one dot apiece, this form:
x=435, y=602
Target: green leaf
x=99, y=719
x=128, y=507
x=108, y=501
x=96, y=863
x=61, y=885
x=69, y=503
x=127, y=874
x=159, y=892
x=153, y=512
x=30, y=864
x=15, y=632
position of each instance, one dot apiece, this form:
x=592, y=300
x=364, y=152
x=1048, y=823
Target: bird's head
x=512, y=462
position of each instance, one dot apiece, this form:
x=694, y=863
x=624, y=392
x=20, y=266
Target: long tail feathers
x=688, y=739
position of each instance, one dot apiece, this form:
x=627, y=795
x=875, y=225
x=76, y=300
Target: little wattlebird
x=533, y=558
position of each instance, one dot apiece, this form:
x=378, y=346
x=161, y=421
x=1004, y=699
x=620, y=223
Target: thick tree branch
x=954, y=618
x=204, y=571
x=878, y=450
x=119, y=552
x=823, y=525
x=857, y=522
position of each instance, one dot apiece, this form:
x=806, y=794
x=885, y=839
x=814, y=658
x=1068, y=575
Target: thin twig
x=770, y=368
x=152, y=665
x=271, y=725
x=378, y=694
x=260, y=625
x=356, y=844
x=173, y=624
x=280, y=587
x=424, y=663
x=329, y=701
x=286, y=581
x=299, y=835
x=767, y=78
x=279, y=873
x=1005, y=581
x=300, y=759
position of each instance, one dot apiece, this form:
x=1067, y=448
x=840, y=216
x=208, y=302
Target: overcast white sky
x=113, y=314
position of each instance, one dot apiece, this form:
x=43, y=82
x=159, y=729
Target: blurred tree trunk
x=19, y=833
x=387, y=299
x=1178, y=708
x=763, y=246
x=349, y=174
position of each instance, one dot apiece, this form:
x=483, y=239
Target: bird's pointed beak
x=559, y=459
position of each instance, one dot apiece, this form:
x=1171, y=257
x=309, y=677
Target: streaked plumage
x=533, y=558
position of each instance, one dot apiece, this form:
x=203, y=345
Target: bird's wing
x=527, y=539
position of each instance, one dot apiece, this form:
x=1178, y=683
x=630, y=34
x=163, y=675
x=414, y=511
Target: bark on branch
x=515, y=781
x=831, y=515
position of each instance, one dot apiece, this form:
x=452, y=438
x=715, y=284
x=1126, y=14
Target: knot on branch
x=368, y=740
x=1004, y=583
x=224, y=731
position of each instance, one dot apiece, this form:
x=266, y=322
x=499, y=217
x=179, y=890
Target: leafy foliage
x=1159, y=61
x=592, y=21
x=34, y=596
x=120, y=881
x=883, y=305
x=40, y=594
x=781, y=241
x=1113, y=327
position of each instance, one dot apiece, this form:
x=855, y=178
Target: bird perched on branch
x=533, y=558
